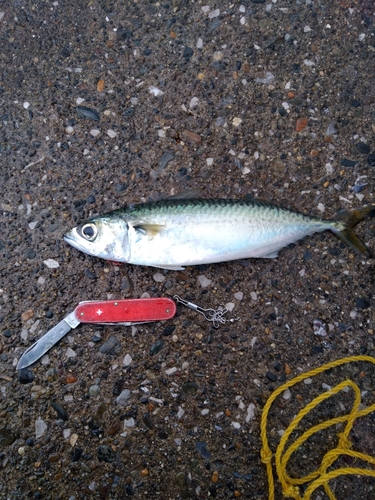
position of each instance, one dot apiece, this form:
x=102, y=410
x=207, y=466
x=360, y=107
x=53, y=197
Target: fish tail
x=343, y=227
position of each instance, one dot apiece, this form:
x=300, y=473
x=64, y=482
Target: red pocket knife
x=107, y=312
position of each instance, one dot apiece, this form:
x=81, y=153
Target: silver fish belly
x=171, y=234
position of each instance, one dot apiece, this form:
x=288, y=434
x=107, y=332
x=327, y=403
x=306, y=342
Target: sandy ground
x=105, y=103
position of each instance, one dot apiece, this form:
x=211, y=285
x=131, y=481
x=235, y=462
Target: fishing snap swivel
x=216, y=316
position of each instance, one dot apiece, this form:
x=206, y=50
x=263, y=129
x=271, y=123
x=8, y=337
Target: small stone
x=156, y=347
x=126, y=284
x=250, y=412
x=25, y=316
x=109, y=346
x=193, y=102
x=203, y=281
x=111, y=133
x=236, y=122
x=94, y=132
x=287, y=394
x=345, y=162
x=127, y=360
x=362, y=303
x=238, y=295
x=201, y=447
x=171, y=371
x=301, y=123
x=51, y=263
x=272, y=377
x=188, y=53
x=25, y=376
x=70, y=379
x=123, y=397
x=70, y=353
x=371, y=160
x=73, y=440
x=114, y=427
x=106, y=454
x=54, y=457
x=214, y=13
x=76, y=455
x=158, y=277
x=215, y=476
x=40, y=427
x=155, y=91
x=190, y=388
x=320, y=328
x=188, y=135
x=6, y=437
x=129, y=422
x=60, y=411
x=164, y=160
x=94, y=391
x=363, y=148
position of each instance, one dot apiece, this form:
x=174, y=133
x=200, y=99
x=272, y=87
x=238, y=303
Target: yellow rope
x=320, y=477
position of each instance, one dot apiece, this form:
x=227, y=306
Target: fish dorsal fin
x=189, y=194
x=149, y=230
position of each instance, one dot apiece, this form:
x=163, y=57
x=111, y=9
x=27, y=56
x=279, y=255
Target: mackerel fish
x=173, y=233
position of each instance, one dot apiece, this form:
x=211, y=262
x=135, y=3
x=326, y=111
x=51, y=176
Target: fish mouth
x=72, y=238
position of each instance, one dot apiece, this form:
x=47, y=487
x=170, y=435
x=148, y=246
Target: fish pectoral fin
x=171, y=268
x=271, y=255
x=149, y=230
x=189, y=194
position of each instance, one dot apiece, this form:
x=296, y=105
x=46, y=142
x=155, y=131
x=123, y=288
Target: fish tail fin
x=343, y=227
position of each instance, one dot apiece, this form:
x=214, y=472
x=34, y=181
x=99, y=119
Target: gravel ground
x=105, y=103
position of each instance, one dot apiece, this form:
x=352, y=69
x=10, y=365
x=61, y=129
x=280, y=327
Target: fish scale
x=174, y=233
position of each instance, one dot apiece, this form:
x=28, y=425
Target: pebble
x=362, y=303
x=194, y=101
x=73, y=439
x=25, y=376
x=109, y=346
x=238, y=295
x=345, y=162
x=158, y=277
x=190, y=388
x=25, y=316
x=6, y=436
x=371, y=160
x=76, y=455
x=70, y=353
x=111, y=133
x=123, y=398
x=201, y=447
x=156, y=347
x=51, y=263
x=84, y=112
x=203, y=281
x=250, y=412
x=129, y=422
x=301, y=123
x=155, y=91
x=94, y=391
x=171, y=371
x=319, y=328
x=188, y=53
x=94, y=132
x=363, y=148
x=272, y=377
x=40, y=427
x=287, y=394
x=114, y=427
x=164, y=160
x=236, y=122
x=60, y=411
x=106, y=454
x=127, y=360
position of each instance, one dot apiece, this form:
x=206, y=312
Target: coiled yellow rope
x=320, y=477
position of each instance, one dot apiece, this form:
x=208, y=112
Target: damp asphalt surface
x=105, y=103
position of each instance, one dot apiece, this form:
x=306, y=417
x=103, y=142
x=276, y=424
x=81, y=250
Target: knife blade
x=109, y=312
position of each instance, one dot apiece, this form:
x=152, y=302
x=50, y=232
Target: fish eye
x=89, y=231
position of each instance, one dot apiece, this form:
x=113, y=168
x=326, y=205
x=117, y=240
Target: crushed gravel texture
x=105, y=103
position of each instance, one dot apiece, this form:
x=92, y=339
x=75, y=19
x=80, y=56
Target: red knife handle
x=118, y=311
